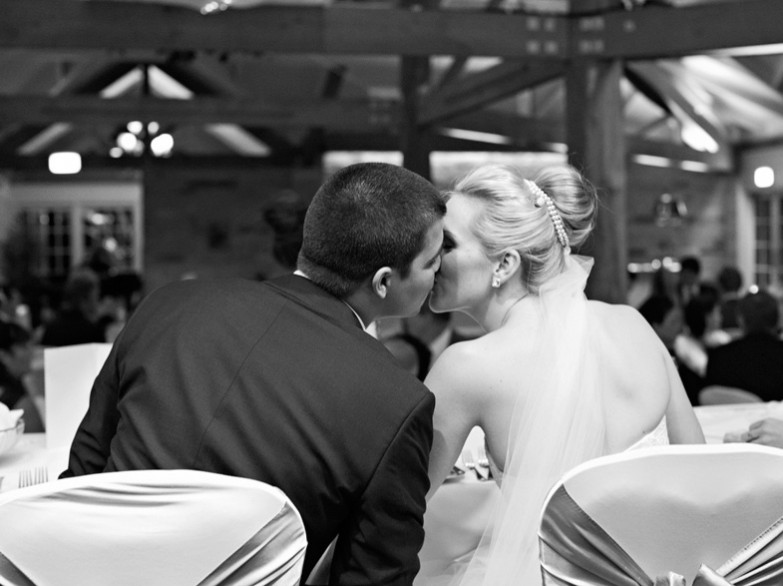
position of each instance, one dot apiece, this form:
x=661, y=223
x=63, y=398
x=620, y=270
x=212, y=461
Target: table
x=718, y=420
x=455, y=515
x=30, y=454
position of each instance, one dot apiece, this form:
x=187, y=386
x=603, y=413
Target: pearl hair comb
x=541, y=198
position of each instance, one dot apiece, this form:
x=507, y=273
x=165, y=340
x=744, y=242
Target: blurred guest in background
x=754, y=361
x=665, y=317
x=410, y=352
x=16, y=353
x=688, y=280
x=702, y=331
x=77, y=320
x=435, y=330
x=767, y=432
x=285, y=215
x=730, y=283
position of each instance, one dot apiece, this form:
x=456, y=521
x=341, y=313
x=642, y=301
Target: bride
x=557, y=379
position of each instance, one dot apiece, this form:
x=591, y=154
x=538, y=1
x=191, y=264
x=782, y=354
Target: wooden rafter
x=343, y=114
x=477, y=90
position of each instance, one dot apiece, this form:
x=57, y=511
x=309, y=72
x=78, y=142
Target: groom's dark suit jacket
x=274, y=381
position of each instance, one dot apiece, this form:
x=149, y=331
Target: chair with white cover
x=706, y=515
x=722, y=395
x=150, y=527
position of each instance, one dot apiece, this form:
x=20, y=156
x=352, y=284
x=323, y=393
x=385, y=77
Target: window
x=65, y=224
x=769, y=241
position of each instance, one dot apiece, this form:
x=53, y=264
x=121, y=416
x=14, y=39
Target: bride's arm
x=681, y=421
x=456, y=410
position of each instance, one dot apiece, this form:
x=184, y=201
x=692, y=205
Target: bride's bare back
x=479, y=383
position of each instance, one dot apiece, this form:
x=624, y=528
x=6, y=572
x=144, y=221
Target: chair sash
x=150, y=527
x=576, y=551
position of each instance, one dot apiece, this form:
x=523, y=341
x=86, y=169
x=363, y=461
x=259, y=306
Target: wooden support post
x=415, y=140
x=596, y=145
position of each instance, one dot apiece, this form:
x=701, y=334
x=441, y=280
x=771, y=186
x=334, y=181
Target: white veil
x=557, y=423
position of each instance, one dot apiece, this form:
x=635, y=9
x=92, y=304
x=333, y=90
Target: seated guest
x=16, y=355
x=702, y=331
x=77, y=320
x=753, y=361
x=688, y=280
x=279, y=381
x=730, y=282
x=665, y=317
x=767, y=432
x=410, y=352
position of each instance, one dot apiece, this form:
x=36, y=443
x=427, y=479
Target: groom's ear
x=380, y=282
x=510, y=261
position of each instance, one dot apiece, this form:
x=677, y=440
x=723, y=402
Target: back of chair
x=150, y=527
x=633, y=517
x=720, y=395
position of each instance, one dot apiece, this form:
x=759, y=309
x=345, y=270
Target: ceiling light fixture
x=65, y=163
x=764, y=177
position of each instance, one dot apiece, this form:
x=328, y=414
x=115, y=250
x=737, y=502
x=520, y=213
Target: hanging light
x=670, y=210
x=162, y=145
x=138, y=137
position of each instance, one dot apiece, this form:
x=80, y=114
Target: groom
x=279, y=381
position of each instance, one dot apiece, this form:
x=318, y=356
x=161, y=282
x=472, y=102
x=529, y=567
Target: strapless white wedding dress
x=657, y=437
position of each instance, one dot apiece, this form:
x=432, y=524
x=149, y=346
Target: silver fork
x=33, y=476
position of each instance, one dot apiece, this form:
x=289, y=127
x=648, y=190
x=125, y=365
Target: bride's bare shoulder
x=463, y=363
x=623, y=323
x=619, y=315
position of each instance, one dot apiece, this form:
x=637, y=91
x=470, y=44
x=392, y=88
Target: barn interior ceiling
x=288, y=81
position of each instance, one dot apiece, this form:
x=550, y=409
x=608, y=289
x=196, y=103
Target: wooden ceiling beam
x=479, y=89
x=680, y=155
x=650, y=32
x=520, y=130
x=338, y=29
x=345, y=114
x=369, y=29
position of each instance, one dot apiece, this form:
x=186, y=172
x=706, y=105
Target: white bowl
x=10, y=435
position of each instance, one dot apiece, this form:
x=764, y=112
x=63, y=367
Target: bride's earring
x=495, y=282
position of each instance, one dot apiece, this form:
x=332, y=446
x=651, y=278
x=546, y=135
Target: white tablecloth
x=30, y=460
x=455, y=514
x=718, y=420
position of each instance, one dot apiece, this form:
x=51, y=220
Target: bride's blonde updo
x=513, y=220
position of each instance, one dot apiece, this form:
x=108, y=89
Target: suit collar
x=303, y=291
x=299, y=273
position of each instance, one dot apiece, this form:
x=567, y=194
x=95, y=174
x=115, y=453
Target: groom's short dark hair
x=364, y=217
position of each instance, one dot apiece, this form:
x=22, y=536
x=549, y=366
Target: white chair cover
x=705, y=515
x=150, y=527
